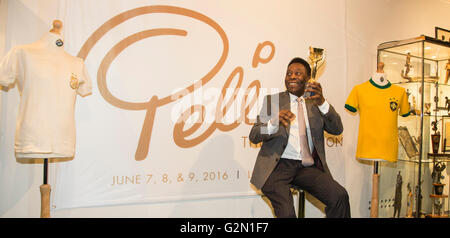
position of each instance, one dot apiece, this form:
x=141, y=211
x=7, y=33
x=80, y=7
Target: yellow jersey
x=379, y=107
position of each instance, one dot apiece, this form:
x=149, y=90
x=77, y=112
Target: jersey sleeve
x=352, y=101
x=85, y=87
x=404, y=104
x=9, y=68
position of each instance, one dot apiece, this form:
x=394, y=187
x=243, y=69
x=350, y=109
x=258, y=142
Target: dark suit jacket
x=273, y=145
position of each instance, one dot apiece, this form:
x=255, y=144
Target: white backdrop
x=139, y=70
x=108, y=132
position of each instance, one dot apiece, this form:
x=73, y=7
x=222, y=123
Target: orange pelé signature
x=180, y=133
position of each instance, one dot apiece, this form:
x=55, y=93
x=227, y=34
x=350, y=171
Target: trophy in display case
x=407, y=68
x=412, y=106
x=316, y=60
x=436, y=175
x=438, y=197
x=447, y=105
x=409, y=202
x=398, y=196
x=435, y=138
x=437, y=206
x=414, y=109
x=427, y=108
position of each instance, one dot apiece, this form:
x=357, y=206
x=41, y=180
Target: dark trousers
x=312, y=180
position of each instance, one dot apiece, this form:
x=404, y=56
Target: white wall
x=3, y=18
x=368, y=23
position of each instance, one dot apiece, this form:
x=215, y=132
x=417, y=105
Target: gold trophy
x=316, y=58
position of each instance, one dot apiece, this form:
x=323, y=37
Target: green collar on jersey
x=378, y=86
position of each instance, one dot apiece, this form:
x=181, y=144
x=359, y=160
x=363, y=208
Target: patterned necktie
x=305, y=154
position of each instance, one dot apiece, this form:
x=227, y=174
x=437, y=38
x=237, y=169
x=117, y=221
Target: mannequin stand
x=45, y=193
x=374, y=202
x=45, y=171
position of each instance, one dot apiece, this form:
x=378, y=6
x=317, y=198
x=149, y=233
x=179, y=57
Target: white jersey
x=48, y=80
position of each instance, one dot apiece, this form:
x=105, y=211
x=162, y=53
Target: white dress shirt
x=292, y=150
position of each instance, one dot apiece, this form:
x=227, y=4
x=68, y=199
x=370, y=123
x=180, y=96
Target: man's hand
x=286, y=117
x=315, y=88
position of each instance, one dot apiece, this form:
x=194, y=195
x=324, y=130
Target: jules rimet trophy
x=316, y=60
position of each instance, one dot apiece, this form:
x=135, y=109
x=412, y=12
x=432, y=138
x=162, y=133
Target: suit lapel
x=285, y=104
x=285, y=101
x=312, y=115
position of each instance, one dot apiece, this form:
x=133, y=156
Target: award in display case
x=421, y=65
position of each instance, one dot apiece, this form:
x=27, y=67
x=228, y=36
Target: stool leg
x=301, y=204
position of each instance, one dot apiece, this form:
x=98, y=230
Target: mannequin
x=379, y=103
x=57, y=26
x=45, y=74
x=48, y=80
x=379, y=77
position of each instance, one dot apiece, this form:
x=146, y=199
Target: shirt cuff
x=325, y=107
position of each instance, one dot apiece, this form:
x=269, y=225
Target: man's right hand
x=286, y=117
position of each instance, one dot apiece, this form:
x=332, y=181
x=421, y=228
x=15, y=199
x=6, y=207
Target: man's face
x=296, y=78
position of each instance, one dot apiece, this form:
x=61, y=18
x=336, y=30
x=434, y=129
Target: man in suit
x=291, y=129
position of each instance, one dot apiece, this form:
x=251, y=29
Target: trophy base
x=308, y=94
x=435, y=140
x=438, y=188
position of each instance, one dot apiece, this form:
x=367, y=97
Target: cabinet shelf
x=439, y=155
x=428, y=115
x=438, y=196
x=436, y=115
x=420, y=82
x=424, y=161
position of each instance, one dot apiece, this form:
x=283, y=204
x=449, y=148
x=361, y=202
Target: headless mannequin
x=48, y=80
x=45, y=187
x=57, y=26
x=380, y=79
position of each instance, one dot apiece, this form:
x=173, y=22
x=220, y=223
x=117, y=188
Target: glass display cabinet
x=417, y=185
